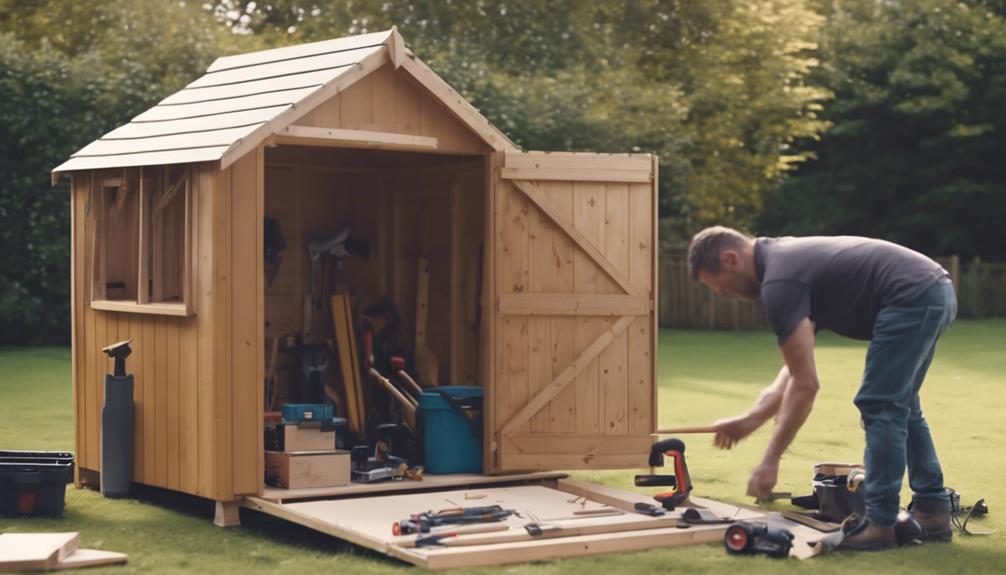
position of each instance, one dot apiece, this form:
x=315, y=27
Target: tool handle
x=681, y=430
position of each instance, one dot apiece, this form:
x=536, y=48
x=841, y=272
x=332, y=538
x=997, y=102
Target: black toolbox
x=34, y=482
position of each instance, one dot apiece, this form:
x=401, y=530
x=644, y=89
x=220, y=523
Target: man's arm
x=733, y=429
x=797, y=402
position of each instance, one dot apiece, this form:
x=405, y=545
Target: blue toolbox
x=296, y=412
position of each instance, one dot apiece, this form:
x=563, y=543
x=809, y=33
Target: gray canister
x=117, y=426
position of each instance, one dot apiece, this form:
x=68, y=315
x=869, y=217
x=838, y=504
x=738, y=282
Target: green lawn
x=704, y=375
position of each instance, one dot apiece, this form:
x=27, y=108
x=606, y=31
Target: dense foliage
x=776, y=116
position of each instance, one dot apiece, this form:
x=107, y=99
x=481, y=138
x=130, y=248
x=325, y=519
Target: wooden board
x=92, y=558
x=35, y=551
x=429, y=482
x=367, y=521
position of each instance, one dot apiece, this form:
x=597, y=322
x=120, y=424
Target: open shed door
x=574, y=281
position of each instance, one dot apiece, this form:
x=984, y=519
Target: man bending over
x=899, y=300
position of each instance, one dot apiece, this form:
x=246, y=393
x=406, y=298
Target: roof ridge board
x=291, y=58
x=134, y=121
x=161, y=104
x=267, y=77
x=298, y=48
x=149, y=151
x=119, y=139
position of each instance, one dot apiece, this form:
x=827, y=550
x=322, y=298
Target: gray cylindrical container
x=117, y=436
x=117, y=425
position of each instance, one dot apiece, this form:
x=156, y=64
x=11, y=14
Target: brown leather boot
x=934, y=516
x=869, y=537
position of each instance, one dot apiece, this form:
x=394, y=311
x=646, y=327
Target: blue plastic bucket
x=452, y=440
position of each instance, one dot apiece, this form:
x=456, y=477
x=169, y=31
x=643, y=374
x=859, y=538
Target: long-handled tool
x=398, y=364
x=682, y=430
x=535, y=531
x=407, y=404
x=681, y=482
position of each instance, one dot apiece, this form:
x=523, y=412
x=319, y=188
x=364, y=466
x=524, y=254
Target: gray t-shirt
x=840, y=283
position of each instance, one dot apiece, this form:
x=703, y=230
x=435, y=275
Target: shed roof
x=241, y=100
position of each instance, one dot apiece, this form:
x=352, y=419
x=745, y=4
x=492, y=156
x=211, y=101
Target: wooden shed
x=542, y=266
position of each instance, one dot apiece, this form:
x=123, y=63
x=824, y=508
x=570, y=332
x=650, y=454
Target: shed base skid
x=226, y=514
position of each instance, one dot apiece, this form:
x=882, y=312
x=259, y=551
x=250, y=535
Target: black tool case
x=34, y=482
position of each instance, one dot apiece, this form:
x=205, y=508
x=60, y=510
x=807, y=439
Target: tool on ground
x=682, y=483
x=117, y=425
x=649, y=509
x=696, y=516
x=538, y=530
x=961, y=515
x=427, y=364
x=751, y=538
x=775, y=496
x=435, y=538
x=371, y=465
x=682, y=430
x=836, y=492
x=34, y=482
x=423, y=522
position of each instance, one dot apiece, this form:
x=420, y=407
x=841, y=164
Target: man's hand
x=731, y=430
x=763, y=479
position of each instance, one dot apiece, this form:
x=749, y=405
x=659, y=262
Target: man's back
x=841, y=283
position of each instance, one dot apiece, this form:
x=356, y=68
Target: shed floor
x=429, y=482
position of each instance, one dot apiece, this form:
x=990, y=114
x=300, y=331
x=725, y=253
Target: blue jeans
x=904, y=340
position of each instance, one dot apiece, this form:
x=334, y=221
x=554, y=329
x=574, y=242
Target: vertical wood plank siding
x=196, y=427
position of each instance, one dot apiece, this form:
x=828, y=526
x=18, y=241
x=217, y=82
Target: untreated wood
x=531, y=191
x=308, y=135
x=682, y=430
x=565, y=377
x=349, y=368
x=574, y=304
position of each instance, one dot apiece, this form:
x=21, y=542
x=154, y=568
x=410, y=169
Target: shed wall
x=172, y=360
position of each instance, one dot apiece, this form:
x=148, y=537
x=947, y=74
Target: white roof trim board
x=238, y=103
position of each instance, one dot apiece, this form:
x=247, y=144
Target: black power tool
x=682, y=483
x=751, y=538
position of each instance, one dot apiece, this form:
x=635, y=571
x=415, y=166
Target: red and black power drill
x=681, y=482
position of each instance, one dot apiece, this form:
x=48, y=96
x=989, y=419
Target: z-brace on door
x=575, y=284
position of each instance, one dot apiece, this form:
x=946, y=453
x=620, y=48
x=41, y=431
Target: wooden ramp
x=367, y=521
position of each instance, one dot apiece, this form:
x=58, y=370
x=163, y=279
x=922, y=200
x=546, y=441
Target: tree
x=915, y=155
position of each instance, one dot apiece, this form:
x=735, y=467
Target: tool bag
x=837, y=492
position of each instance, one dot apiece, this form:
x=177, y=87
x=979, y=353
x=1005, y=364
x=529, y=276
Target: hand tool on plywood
x=427, y=520
x=535, y=531
x=757, y=538
x=436, y=536
x=682, y=483
x=426, y=359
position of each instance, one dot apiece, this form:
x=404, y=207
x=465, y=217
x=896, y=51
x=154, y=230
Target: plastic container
x=34, y=482
x=452, y=429
x=294, y=412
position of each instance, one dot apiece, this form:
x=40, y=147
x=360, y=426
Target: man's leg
x=902, y=340
x=925, y=476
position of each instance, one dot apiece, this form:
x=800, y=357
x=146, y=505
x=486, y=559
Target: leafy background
x=881, y=118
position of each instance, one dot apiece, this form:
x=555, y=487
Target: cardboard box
x=292, y=437
x=302, y=469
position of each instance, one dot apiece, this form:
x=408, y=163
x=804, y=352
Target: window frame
x=145, y=242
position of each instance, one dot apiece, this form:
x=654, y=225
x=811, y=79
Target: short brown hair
x=707, y=245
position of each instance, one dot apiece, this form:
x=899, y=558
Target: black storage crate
x=34, y=482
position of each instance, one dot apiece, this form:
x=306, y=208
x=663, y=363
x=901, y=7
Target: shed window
x=142, y=226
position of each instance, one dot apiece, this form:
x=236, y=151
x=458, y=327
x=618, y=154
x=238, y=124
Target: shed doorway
x=380, y=224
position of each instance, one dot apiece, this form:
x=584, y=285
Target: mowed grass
x=703, y=376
